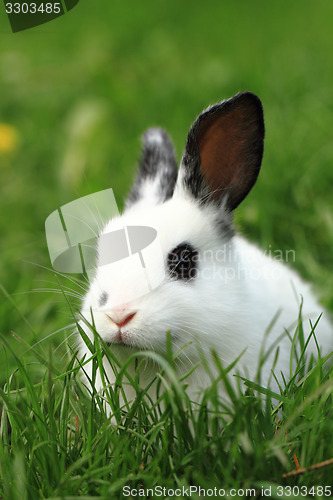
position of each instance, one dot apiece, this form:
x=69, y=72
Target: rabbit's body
x=215, y=290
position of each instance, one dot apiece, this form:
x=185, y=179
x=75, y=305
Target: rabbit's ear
x=157, y=173
x=224, y=150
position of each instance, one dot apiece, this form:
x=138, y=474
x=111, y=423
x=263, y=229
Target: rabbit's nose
x=121, y=319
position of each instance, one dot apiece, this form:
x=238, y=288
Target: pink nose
x=121, y=319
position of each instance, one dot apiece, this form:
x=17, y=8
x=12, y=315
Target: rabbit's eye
x=182, y=262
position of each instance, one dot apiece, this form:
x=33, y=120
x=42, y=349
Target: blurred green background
x=77, y=93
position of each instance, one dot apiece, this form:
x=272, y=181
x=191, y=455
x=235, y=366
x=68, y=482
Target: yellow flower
x=8, y=138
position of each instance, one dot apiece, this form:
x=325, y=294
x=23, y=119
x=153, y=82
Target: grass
x=59, y=442
x=76, y=96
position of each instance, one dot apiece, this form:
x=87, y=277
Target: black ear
x=157, y=171
x=224, y=150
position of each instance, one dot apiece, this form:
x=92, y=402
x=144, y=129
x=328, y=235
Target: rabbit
x=204, y=283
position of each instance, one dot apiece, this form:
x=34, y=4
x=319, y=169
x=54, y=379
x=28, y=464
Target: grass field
x=76, y=94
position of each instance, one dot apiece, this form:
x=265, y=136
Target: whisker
x=49, y=290
x=63, y=342
x=76, y=281
x=49, y=336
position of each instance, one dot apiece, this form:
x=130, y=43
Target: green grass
x=58, y=441
x=79, y=92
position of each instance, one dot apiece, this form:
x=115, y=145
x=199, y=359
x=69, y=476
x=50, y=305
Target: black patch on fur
x=103, y=299
x=182, y=262
x=158, y=162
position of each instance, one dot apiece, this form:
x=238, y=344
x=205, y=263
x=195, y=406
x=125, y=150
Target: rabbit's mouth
x=122, y=338
x=121, y=344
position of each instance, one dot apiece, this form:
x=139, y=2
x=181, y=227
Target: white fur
x=228, y=307
x=154, y=135
x=241, y=301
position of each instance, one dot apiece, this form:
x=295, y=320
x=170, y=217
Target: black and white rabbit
x=208, y=286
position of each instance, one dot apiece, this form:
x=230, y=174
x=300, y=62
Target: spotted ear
x=157, y=173
x=224, y=150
